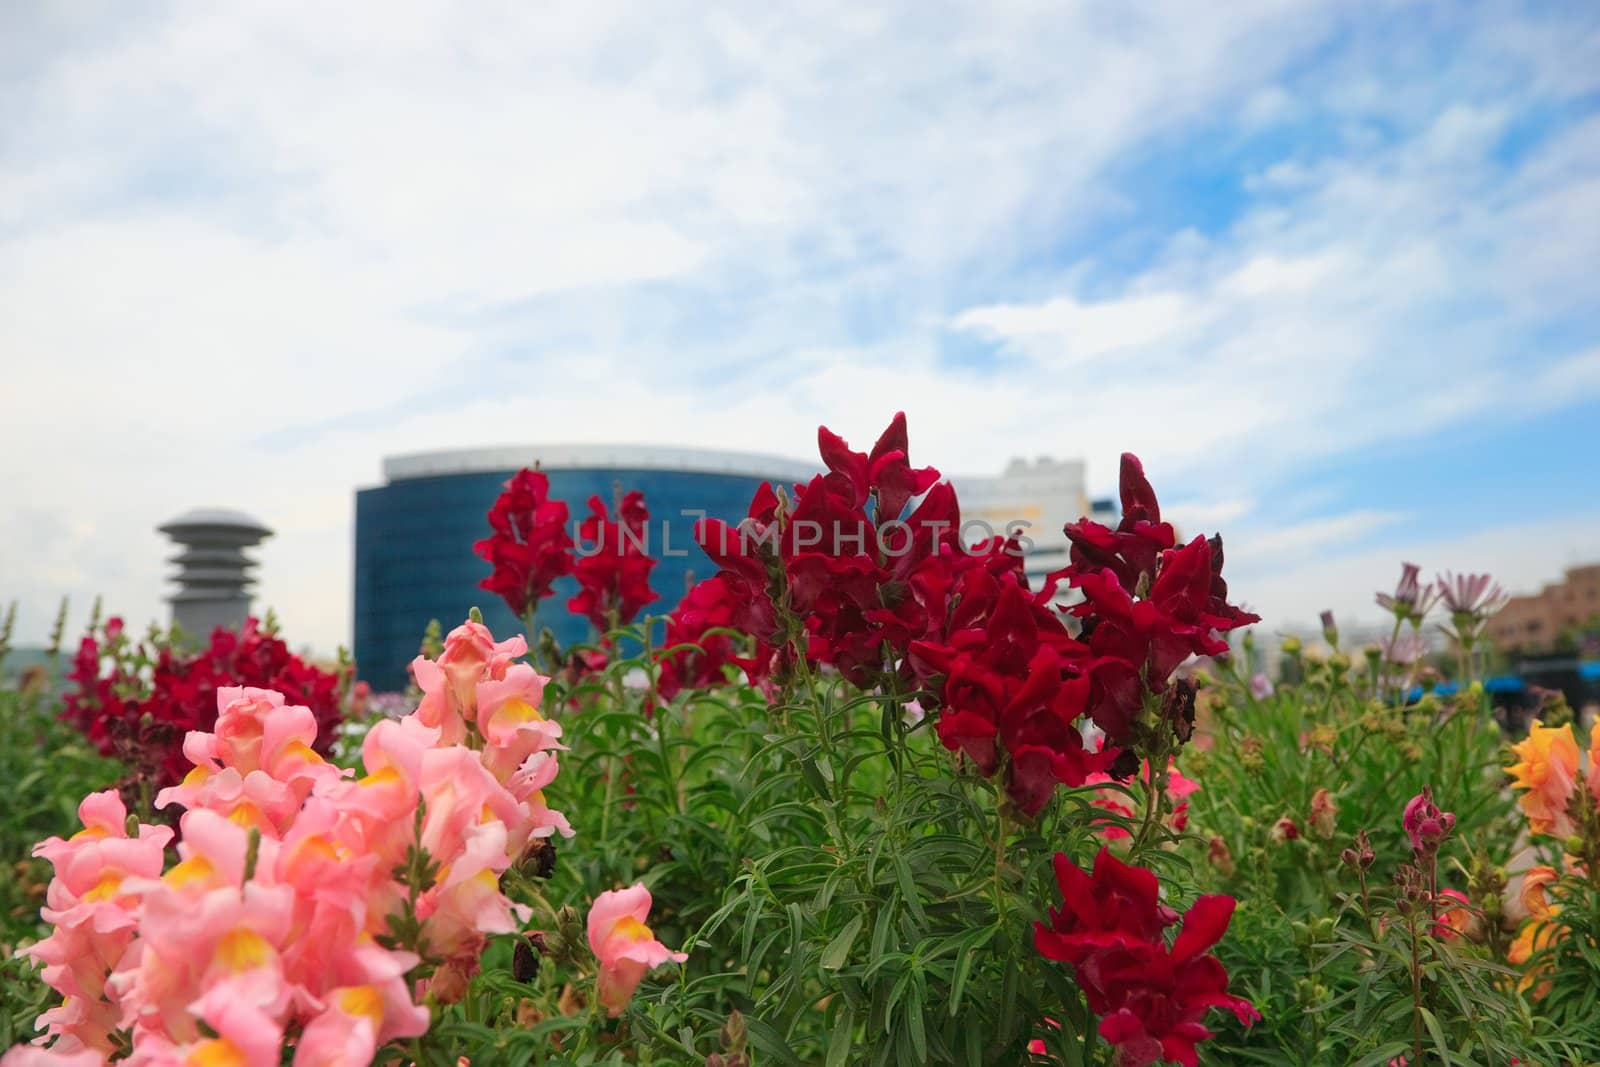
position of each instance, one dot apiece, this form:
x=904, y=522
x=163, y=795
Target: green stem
x=1416, y=992
x=533, y=638
x=999, y=862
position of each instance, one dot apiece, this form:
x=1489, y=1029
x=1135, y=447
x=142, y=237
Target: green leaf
x=1436, y=1033
x=838, y=949
x=919, y=1035
x=764, y=1037
x=839, y=1044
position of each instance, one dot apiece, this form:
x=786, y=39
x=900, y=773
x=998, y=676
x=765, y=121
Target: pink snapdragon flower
x=624, y=945
x=449, y=685
x=258, y=767
x=266, y=929
x=55, y=1056
x=1425, y=824
x=1179, y=789
x=94, y=908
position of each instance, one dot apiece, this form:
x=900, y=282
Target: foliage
x=1303, y=785
x=888, y=805
x=47, y=768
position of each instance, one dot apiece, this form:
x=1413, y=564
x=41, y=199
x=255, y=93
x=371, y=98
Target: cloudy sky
x=1330, y=268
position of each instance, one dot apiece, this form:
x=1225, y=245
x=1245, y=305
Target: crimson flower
x=749, y=575
x=142, y=719
x=1005, y=675
x=1136, y=644
x=885, y=473
x=1131, y=550
x=712, y=604
x=530, y=547
x=1152, y=998
x=614, y=579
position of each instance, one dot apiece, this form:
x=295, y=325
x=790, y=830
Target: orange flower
x=1533, y=898
x=1534, y=936
x=1548, y=771
x=1594, y=761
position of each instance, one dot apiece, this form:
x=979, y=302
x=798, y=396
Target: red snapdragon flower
x=143, y=722
x=712, y=604
x=1004, y=673
x=841, y=559
x=882, y=597
x=530, y=547
x=1148, y=605
x=1131, y=550
x=1152, y=998
x=614, y=579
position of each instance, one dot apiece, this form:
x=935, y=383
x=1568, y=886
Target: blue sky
x=1328, y=268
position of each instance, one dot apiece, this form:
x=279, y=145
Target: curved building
x=414, y=534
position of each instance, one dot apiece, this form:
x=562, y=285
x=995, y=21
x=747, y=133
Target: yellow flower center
x=364, y=1000
x=106, y=888
x=242, y=949
x=630, y=929
x=193, y=869
x=217, y=1052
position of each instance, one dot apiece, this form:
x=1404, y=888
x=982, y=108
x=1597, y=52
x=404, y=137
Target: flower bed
x=864, y=797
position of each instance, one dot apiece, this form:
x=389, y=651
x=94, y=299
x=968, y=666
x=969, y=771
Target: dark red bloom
x=1131, y=550
x=143, y=722
x=885, y=473
x=1006, y=679
x=613, y=572
x=710, y=605
x=880, y=596
x=751, y=576
x=1135, y=642
x=1152, y=998
x=530, y=547
x=841, y=559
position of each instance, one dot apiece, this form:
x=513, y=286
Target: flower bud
x=734, y=1032
x=1290, y=646
x=1324, y=814
x=1330, y=632
x=1218, y=856
x=524, y=961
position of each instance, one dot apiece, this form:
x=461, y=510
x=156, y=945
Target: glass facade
x=414, y=560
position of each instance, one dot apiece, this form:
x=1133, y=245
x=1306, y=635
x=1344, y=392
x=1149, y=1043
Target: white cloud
x=1522, y=556
x=247, y=251
x=1300, y=540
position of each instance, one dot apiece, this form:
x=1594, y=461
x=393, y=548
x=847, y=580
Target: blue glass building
x=413, y=539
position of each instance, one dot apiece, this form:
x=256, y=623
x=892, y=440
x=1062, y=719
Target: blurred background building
x=414, y=533
x=214, y=574
x=1557, y=618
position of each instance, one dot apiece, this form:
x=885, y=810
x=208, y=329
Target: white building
x=1039, y=498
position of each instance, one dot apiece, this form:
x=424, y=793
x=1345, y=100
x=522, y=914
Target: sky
x=1328, y=268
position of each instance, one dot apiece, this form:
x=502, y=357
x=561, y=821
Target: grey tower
x=213, y=571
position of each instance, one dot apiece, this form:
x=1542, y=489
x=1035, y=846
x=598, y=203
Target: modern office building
x=414, y=534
